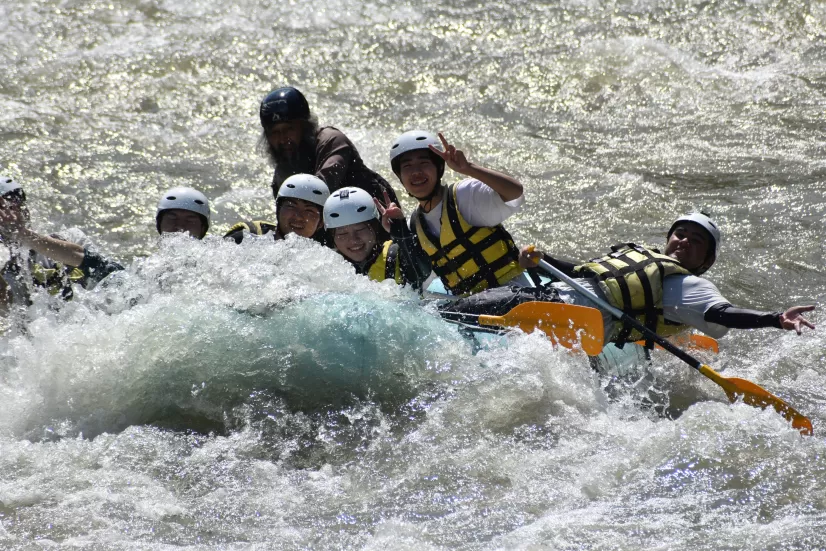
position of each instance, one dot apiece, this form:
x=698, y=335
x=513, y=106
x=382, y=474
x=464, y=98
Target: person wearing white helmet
x=295, y=144
x=26, y=269
x=180, y=209
x=298, y=209
x=460, y=226
x=183, y=209
x=351, y=219
x=662, y=290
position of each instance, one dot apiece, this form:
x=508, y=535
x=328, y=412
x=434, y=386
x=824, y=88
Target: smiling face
x=689, y=244
x=418, y=173
x=298, y=216
x=355, y=242
x=180, y=220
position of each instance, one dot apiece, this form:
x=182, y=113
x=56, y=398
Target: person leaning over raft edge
x=460, y=226
x=180, y=209
x=295, y=144
x=663, y=291
x=26, y=268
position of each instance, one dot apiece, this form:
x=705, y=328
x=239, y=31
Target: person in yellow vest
x=27, y=266
x=460, y=226
x=662, y=290
x=180, y=209
x=298, y=209
x=351, y=219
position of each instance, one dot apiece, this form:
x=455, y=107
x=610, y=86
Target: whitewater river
x=223, y=397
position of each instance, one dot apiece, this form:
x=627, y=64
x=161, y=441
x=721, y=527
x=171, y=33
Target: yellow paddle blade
x=692, y=340
x=565, y=324
x=760, y=397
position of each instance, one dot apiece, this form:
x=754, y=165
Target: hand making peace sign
x=454, y=158
x=388, y=211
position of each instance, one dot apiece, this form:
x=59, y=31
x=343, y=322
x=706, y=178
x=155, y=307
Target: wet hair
x=17, y=195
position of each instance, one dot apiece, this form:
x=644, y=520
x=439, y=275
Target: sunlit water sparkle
x=262, y=397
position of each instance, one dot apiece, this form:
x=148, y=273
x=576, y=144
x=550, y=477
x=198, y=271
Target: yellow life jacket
x=631, y=277
x=57, y=280
x=386, y=264
x=255, y=227
x=467, y=259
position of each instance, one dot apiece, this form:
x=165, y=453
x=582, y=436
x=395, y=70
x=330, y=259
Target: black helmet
x=284, y=104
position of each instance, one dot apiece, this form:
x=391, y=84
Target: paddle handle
x=620, y=315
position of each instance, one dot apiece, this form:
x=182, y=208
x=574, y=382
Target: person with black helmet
x=295, y=144
x=460, y=226
x=662, y=290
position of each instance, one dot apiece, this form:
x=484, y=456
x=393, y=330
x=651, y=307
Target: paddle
x=565, y=324
x=733, y=387
x=692, y=341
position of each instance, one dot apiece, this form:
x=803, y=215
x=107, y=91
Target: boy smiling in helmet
x=460, y=226
x=298, y=209
x=351, y=218
x=295, y=144
x=663, y=291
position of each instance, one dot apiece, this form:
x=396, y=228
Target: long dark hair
x=309, y=131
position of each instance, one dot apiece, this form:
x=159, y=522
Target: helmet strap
x=425, y=202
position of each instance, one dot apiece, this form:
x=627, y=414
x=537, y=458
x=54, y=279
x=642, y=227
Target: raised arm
x=506, y=186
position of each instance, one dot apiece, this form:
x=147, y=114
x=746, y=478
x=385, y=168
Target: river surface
x=262, y=397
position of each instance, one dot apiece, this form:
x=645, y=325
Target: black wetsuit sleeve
x=739, y=318
x=95, y=267
x=415, y=264
x=563, y=266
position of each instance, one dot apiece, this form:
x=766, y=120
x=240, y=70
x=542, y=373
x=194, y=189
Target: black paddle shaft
x=460, y=317
x=649, y=334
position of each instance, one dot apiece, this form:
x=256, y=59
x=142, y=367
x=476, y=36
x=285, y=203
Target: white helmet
x=702, y=220
x=349, y=205
x=7, y=185
x=184, y=198
x=412, y=141
x=306, y=187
